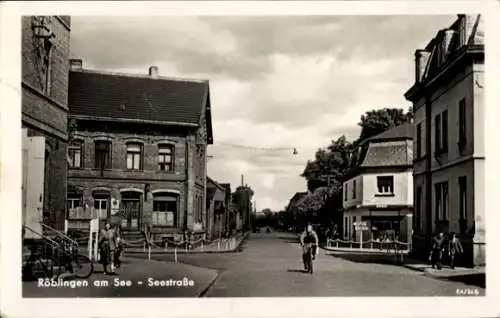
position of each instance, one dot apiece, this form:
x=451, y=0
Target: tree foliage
x=376, y=121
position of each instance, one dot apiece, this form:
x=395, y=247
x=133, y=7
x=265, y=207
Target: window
x=385, y=185
x=103, y=155
x=346, y=227
x=165, y=210
x=418, y=208
x=461, y=123
x=462, y=185
x=75, y=155
x=74, y=207
x=354, y=189
x=346, y=191
x=444, y=127
x=437, y=134
x=165, y=158
x=101, y=208
x=441, y=193
x=441, y=133
x=419, y=140
x=134, y=156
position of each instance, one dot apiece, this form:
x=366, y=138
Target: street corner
x=135, y=278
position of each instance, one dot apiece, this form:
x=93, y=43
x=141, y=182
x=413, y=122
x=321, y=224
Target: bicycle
x=308, y=261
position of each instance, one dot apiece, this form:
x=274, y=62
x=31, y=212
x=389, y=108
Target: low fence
x=395, y=248
x=170, y=246
x=370, y=244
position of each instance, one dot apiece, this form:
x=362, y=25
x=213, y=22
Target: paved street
x=270, y=265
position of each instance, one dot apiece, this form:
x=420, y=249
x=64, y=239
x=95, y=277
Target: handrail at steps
x=59, y=233
x=44, y=237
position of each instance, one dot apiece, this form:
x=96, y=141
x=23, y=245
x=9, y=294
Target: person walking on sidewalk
x=107, y=246
x=454, y=247
x=437, y=251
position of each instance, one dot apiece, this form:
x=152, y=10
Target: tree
x=242, y=197
x=376, y=121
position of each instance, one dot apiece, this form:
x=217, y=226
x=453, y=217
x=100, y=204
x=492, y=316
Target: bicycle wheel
x=82, y=266
x=310, y=265
x=40, y=269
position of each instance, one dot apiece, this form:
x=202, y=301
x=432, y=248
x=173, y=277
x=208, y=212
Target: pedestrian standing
x=107, y=245
x=454, y=247
x=437, y=251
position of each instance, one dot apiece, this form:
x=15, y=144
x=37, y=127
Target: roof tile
x=135, y=97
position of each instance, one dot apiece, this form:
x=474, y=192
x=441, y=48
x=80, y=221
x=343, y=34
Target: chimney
x=153, y=71
x=421, y=59
x=75, y=64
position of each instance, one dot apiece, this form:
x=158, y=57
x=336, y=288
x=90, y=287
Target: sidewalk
x=473, y=276
x=139, y=275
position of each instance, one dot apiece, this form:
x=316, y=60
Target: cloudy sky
x=277, y=83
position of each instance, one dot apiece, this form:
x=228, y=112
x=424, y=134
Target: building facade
x=45, y=69
x=137, y=152
x=379, y=191
x=448, y=99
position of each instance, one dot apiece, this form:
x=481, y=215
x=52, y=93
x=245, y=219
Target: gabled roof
x=401, y=132
x=388, y=154
x=211, y=183
x=390, y=148
x=95, y=94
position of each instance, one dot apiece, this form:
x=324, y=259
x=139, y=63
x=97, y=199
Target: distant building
x=379, y=190
x=138, y=150
x=448, y=98
x=45, y=52
x=216, y=208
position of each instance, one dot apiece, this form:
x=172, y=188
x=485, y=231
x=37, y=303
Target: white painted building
x=379, y=191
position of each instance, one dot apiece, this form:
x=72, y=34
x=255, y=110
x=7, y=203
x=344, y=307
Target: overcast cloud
x=276, y=82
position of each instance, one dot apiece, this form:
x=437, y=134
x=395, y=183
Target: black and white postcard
x=274, y=158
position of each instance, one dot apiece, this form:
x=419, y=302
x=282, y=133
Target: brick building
x=138, y=149
x=448, y=99
x=45, y=51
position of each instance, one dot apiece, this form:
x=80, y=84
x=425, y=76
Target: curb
x=206, y=289
x=183, y=252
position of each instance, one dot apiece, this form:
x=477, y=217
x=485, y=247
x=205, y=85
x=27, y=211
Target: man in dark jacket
x=437, y=251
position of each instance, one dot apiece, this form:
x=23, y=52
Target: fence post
x=337, y=242
x=166, y=246
x=149, y=252
x=175, y=254
x=144, y=247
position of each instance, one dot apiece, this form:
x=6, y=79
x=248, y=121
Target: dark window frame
x=462, y=123
x=382, y=183
x=73, y=147
x=103, y=157
x=419, y=140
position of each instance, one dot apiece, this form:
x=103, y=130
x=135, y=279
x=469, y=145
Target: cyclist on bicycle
x=309, y=236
